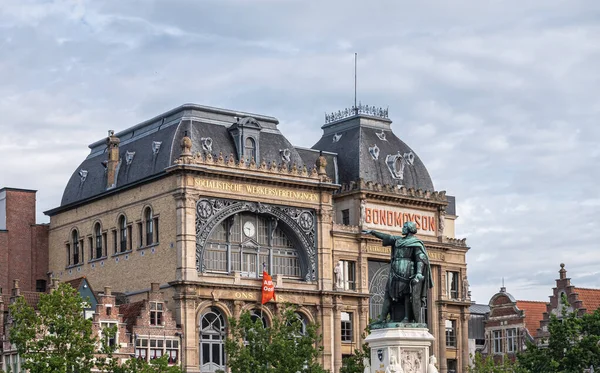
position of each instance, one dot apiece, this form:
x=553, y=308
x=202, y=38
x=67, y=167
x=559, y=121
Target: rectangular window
x=140, y=235
x=149, y=232
x=40, y=286
x=99, y=245
x=156, y=348
x=497, y=341
x=141, y=348
x=451, y=333
x=156, y=313
x=511, y=340
x=452, y=284
x=91, y=242
x=346, y=217
x=105, y=242
x=68, y=255
x=123, y=237
x=75, y=252
x=130, y=232
x=111, y=341
x=347, y=332
x=172, y=350
x=115, y=241
x=156, y=240
x=346, y=275
x=452, y=365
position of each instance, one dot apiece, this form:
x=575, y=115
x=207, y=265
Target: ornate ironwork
x=212, y=211
x=355, y=110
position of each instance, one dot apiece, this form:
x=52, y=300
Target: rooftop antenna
x=355, y=107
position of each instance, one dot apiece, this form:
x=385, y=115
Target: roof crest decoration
x=355, y=110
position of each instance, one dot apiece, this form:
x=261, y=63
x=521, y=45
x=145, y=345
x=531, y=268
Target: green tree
x=56, y=338
x=573, y=345
x=283, y=347
x=486, y=364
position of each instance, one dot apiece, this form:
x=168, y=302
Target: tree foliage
x=283, y=347
x=573, y=345
x=486, y=364
x=58, y=339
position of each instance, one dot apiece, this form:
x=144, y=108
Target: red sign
x=268, y=289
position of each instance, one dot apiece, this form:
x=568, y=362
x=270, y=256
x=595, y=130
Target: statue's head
x=432, y=359
x=409, y=228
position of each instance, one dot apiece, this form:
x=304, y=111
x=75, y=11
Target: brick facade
x=23, y=243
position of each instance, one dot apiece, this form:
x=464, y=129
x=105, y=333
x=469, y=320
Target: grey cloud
x=498, y=99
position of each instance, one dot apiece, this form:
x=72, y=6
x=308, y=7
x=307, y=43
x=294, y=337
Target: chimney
x=16, y=291
x=107, y=291
x=112, y=144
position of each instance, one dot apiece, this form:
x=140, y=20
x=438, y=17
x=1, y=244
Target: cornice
x=395, y=193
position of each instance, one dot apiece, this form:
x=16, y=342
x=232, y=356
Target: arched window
x=123, y=233
x=212, y=340
x=149, y=226
x=75, y=245
x=250, y=148
x=98, y=240
x=246, y=242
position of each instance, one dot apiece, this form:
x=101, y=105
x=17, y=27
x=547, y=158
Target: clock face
x=249, y=229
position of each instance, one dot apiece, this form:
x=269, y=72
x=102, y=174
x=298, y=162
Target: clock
x=249, y=229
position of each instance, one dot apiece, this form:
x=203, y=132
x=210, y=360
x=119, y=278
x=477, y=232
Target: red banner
x=268, y=289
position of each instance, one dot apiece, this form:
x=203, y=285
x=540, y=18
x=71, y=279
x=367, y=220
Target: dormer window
x=250, y=148
x=156, y=313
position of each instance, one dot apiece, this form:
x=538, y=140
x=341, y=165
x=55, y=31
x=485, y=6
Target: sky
x=498, y=98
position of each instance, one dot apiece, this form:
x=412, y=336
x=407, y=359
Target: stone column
x=442, y=341
x=465, y=340
x=186, y=236
x=237, y=308
x=325, y=330
x=363, y=318
x=185, y=297
x=337, y=335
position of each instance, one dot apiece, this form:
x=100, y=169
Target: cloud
x=497, y=98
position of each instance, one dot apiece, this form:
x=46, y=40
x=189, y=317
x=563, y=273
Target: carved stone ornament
x=156, y=147
x=412, y=361
x=212, y=211
x=397, y=162
x=381, y=135
x=374, y=151
x=83, y=175
x=337, y=137
x=285, y=155
x=129, y=157
x=206, y=144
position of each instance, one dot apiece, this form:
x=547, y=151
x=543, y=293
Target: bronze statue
x=409, y=279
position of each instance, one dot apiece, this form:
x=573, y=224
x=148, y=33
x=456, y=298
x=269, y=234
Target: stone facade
x=232, y=197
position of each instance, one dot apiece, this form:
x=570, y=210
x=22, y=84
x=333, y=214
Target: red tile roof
x=534, y=312
x=76, y=282
x=130, y=312
x=32, y=298
x=589, y=297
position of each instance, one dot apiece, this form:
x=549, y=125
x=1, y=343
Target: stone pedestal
x=400, y=347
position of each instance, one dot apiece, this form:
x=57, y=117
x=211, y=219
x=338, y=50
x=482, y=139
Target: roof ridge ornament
x=355, y=110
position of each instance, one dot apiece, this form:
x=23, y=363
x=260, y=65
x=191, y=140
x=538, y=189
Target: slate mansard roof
x=367, y=149
x=148, y=148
